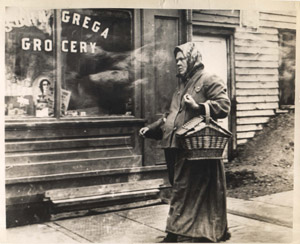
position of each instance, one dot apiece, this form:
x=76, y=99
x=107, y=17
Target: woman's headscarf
x=193, y=56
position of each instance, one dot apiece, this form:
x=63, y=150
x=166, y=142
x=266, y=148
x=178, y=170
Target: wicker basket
x=203, y=138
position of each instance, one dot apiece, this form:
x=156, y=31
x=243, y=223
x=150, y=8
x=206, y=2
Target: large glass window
x=95, y=47
x=29, y=63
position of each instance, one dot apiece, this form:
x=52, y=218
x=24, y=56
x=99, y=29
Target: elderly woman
x=198, y=202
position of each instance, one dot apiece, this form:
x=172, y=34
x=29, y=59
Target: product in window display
x=65, y=99
x=44, y=101
x=44, y=87
x=72, y=113
x=128, y=106
x=42, y=109
x=19, y=106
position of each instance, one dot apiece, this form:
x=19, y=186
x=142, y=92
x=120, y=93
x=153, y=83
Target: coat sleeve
x=155, y=131
x=158, y=123
x=217, y=98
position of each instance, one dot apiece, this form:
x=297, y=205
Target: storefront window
x=95, y=60
x=29, y=63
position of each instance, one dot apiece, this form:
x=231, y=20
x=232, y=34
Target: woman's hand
x=189, y=100
x=143, y=131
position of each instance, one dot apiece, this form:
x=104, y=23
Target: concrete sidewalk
x=263, y=219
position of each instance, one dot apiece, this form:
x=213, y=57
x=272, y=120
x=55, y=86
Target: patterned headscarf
x=193, y=56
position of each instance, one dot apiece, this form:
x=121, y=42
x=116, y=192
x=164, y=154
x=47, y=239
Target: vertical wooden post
x=58, y=60
x=189, y=25
x=232, y=93
x=137, y=41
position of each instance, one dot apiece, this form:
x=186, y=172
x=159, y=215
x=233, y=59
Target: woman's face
x=181, y=63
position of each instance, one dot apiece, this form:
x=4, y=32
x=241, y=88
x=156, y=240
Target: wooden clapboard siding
x=255, y=43
x=277, y=20
x=256, y=64
x=256, y=71
x=245, y=135
x=256, y=56
x=253, y=106
x=255, y=50
x=227, y=13
x=257, y=75
x=252, y=120
x=278, y=17
x=278, y=24
x=241, y=141
x=278, y=12
x=219, y=17
x=251, y=113
x=256, y=36
x=258, y=85
x=244, y=128
x=253, y=92
x=256, y=78
x=201, y=17
x=256, y=99
x=260, y=30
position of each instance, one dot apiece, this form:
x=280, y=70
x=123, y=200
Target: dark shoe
x=170, y=237
x=225, y=237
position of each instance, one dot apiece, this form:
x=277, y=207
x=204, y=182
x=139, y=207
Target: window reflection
x=96, y=48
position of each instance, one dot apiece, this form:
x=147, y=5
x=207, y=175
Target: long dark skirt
x=198, y=202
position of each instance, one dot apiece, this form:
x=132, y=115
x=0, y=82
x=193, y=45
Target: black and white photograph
x=150, y=122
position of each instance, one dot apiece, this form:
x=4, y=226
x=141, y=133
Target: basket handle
x=207, y=113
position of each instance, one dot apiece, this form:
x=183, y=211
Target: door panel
x=214, y=56
x=161, y=35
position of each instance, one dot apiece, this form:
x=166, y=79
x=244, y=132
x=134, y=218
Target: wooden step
x=60, y=144
x=37, y=157
x=104, y=209
x=74, y=199
x=100, y=190
x=107, y=197
x=72, y=166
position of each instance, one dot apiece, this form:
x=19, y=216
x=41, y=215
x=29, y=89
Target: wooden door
x=161, y=33
x=214, y=55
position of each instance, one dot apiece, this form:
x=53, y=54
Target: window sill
x=33, y=121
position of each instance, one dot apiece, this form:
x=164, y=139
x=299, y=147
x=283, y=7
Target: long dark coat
x=198, y=202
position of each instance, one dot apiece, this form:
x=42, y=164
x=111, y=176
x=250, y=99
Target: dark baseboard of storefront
x=27, y=213
x=24, y=209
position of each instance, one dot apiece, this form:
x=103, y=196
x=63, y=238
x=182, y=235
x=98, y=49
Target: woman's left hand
x=189, y=100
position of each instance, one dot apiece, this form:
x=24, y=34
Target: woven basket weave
x=203, y=138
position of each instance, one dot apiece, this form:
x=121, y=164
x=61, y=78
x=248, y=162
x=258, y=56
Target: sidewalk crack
x=120, y=215
x=75, y=236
